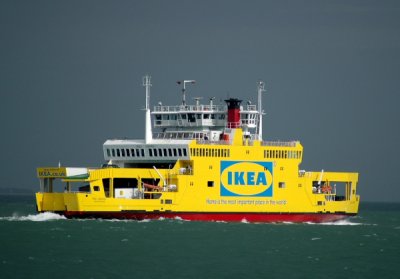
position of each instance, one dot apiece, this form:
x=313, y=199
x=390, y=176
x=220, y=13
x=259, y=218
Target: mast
x=184, y=89
x=148, y=133
x=261, y=86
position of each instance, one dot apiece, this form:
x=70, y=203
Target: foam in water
x=46, y=216
x=337, y=223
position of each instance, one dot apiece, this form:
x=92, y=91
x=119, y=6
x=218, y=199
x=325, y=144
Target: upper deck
x=201, y=117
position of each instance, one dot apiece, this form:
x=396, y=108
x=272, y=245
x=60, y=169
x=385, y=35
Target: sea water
x=47, y=245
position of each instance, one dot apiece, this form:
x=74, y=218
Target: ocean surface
x=49, y=246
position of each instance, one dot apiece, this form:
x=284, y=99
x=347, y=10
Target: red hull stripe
x=214, y=216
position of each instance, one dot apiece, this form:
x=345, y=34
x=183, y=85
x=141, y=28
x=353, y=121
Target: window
x=160, y=152
x=175, y=154
x=96, y=188
x=118, y=153
x=113, y=152
x=150, y=152
x=142, y=152
x=170, y=152
x=128, y=153
x=158, y=119
x=180, y=152
x=165, y=152
x=123, y=152
x=155, y=152
x=184, y=152
x=108, y=152
x=137, y=153
x=125, y=183
x=106, y=185
x=282, y=185
x=210, y=183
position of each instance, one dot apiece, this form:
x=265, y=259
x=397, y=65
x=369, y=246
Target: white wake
x=41, y=217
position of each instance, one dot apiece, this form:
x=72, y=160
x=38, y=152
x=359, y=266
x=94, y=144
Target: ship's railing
x=209, y=142
x=189, y=108
x=196, y=108
x=279, y=143
x=249, y=108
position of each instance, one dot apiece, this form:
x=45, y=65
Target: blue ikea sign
x=246, y=178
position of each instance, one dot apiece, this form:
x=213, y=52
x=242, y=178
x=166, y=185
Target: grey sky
x=71, y=77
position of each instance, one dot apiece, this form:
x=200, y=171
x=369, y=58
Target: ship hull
x=215, y=216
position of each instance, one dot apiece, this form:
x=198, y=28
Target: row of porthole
x=152, y=152
x=210, y=152
x=282, y=154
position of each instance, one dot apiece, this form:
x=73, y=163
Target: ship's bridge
x=199, y=121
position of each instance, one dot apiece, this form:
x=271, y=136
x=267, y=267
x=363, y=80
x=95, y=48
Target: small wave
x=46, y=216
x=337, y=223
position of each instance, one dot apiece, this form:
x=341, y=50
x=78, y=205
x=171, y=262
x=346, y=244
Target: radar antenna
x=183, y=82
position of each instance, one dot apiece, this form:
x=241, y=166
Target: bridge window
x=158, y=119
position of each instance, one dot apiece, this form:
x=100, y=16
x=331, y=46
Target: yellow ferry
x=200, y=162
